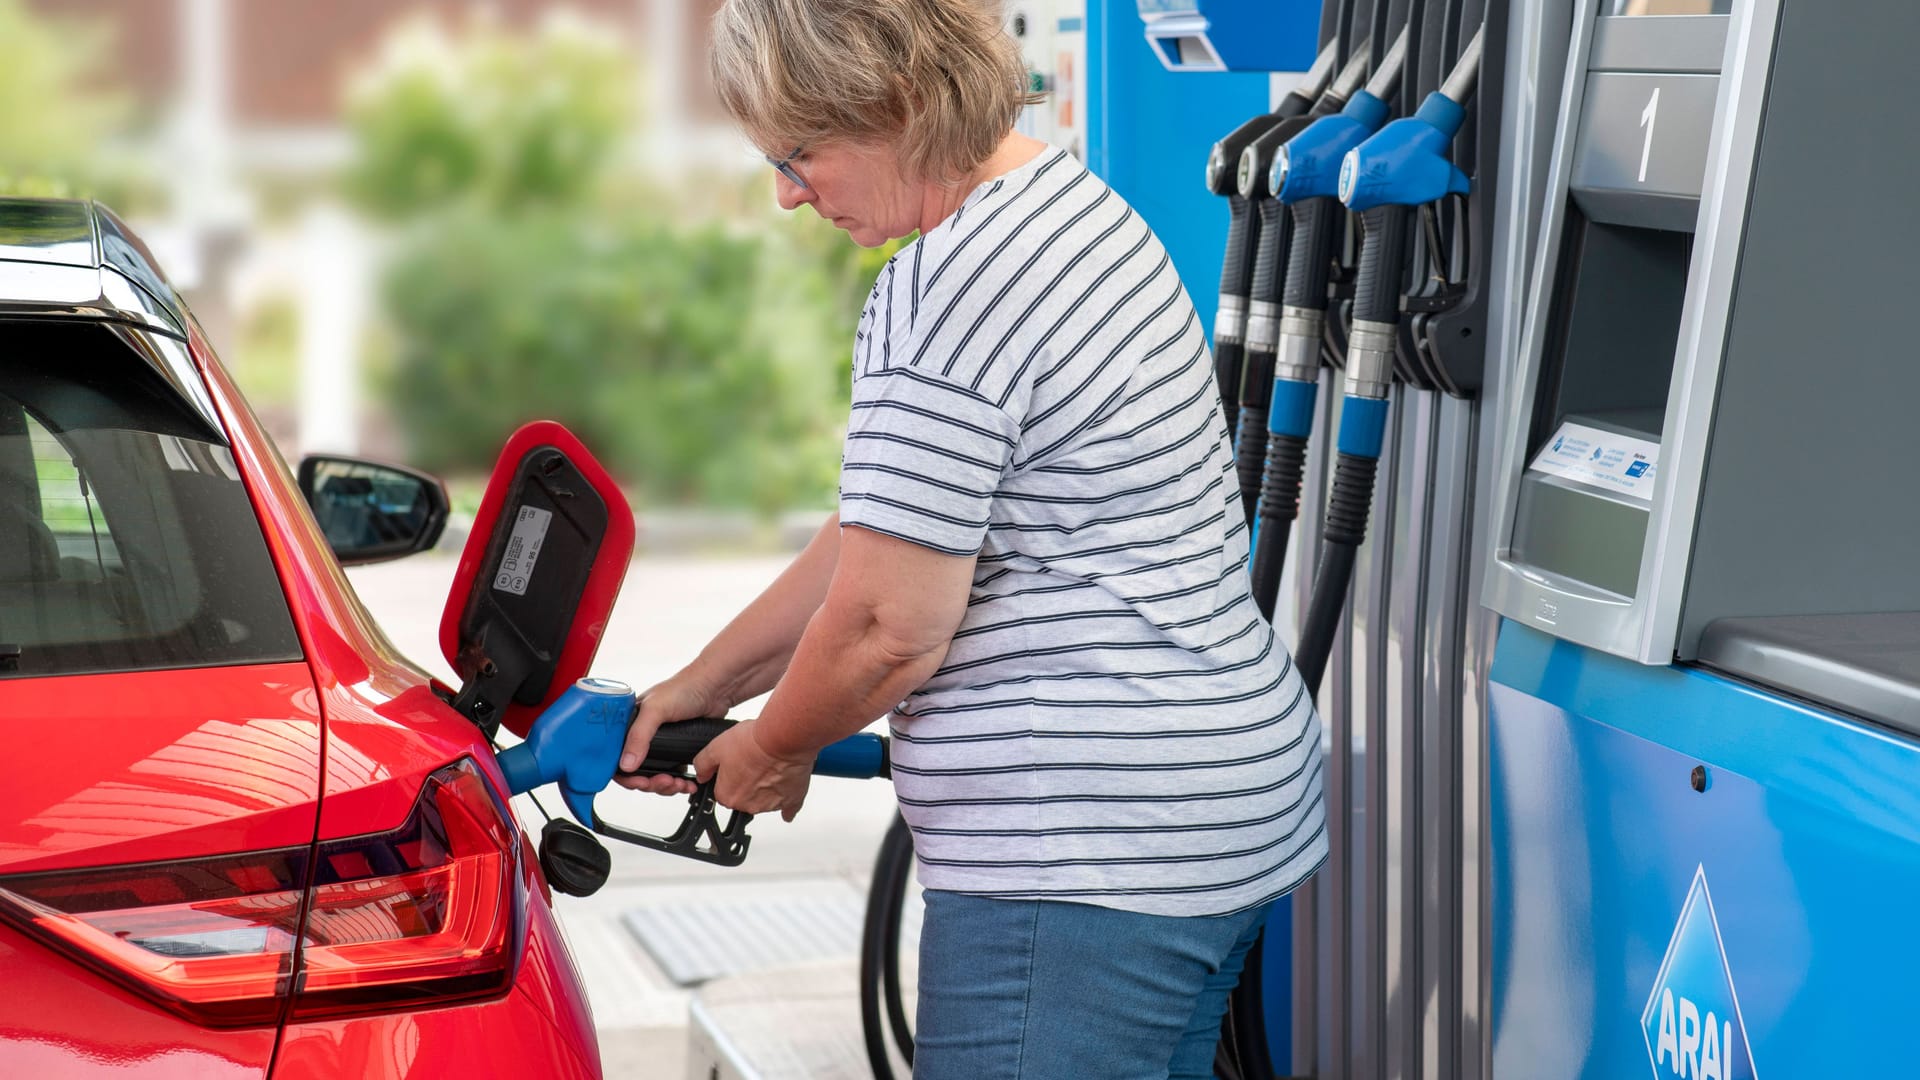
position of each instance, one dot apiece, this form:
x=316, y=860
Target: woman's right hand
x=683, y=697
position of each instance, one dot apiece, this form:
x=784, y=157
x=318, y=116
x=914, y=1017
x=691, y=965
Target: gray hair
x=939, y=81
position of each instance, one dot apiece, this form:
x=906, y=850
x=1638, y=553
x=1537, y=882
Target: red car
x=240, y=835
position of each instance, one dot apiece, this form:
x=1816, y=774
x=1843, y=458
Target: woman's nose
x=789, y=195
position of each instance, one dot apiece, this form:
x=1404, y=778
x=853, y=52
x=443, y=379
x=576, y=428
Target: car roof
x=75, y=257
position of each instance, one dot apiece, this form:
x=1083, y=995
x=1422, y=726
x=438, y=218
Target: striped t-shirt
x=1114, y=723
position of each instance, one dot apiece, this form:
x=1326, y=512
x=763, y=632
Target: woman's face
x=858, y=188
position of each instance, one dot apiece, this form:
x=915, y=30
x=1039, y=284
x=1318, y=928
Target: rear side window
x=127, y=542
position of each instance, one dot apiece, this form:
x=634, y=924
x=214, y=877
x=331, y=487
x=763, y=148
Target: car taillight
x=426, y=913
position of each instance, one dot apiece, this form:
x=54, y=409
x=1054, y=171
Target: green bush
x=651, y=342
x=705, y=362
x=500, y=120
x=55, y=112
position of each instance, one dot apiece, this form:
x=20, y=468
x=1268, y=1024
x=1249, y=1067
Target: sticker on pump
x=1603, y=459
x=523, y=550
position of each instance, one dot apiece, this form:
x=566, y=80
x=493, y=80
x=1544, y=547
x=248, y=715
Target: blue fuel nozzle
x=1308, y=166
x=1407, y=163
x=575, y=743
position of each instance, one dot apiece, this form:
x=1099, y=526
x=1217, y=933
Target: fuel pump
x=1304, y=178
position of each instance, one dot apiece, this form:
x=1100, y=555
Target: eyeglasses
x=785, y=166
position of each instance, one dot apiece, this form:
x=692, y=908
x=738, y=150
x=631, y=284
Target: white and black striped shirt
x=1114, y=723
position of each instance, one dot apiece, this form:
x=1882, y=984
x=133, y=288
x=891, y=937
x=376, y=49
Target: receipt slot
x=1703, y=409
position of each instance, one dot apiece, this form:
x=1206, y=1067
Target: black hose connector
x=1350, y=501
x=1279, y=506
x=1316, y=229
x=1382, y=275
x=1250, y=450
x=1250, y=441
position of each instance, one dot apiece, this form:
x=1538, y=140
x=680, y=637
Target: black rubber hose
x=1247, y=1014
x=1346, y=527
x=1250, y=445
x=1383, y=264
x=1227, y=356
x=880, y=987
x=1279, y=507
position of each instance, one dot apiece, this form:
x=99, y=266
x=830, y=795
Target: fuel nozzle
x=1406, y=165
x=576, y=744
x=1407, y=162
x=1308, y=166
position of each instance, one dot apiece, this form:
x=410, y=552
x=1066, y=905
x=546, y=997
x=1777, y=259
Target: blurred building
x=269, y=75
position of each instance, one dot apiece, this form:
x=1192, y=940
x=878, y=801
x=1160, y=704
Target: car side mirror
x=371, y=512
x=537, y=580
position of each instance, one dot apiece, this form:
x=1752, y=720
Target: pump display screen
x=1671, y=7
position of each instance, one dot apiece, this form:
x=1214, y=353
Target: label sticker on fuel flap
x=1619, y=463
x=523, y=550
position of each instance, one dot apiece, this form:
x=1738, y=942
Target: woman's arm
x=747, y=658
x=883, y=629
x=744, y=660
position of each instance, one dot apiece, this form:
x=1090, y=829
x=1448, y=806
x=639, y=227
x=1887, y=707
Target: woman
x=1039, y=567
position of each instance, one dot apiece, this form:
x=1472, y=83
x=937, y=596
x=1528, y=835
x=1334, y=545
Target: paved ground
x=669, y=607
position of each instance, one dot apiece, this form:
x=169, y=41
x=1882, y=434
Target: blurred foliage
x=703, y=355
x=635, y=334
x=504, y=120
x=266, y=362
x=54, y=111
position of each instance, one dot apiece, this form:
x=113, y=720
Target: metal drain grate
x=750, y=926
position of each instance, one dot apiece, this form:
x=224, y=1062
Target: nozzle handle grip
x=675, y=745
x=1379, y=281
x=1237, y=267
x=1316, y=224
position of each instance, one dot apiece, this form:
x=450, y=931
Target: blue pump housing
x=1407, y=163
x=1308, y=166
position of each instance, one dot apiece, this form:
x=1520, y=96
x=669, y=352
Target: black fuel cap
x=575, y=860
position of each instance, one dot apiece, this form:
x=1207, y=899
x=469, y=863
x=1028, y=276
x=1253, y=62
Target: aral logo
x=1692, y=1021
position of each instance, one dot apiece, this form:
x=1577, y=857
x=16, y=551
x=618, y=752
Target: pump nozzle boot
x=575, y=743
x=1407, y=163
x=1308, y=166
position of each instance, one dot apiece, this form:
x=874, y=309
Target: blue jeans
x=1044, y=990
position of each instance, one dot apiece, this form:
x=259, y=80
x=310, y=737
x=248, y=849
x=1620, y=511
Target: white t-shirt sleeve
x=924, y=456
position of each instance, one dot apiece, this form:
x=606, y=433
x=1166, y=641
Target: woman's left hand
x=749, y=778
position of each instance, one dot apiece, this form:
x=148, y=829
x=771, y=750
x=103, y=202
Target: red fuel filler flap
x=537, y=579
